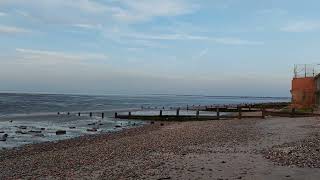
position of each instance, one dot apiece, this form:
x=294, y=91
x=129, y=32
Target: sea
x=35, y=118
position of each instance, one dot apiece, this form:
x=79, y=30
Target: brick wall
x=303, y=92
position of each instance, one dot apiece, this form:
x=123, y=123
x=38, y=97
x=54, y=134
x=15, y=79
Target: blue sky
x=214, y=47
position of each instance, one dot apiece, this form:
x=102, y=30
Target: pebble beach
x=274, y=148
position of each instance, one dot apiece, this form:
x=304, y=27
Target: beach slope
x=226, y=149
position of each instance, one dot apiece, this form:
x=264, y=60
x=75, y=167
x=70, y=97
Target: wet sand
x=228, y=149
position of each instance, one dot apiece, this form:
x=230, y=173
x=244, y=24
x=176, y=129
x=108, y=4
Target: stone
x=33, y=131
x=92, y=130
x=1, y=132
x=61, y=132
x=72, y=127
x=4, y=137
x=117, y=126
x=38, y=135
x=21, y=132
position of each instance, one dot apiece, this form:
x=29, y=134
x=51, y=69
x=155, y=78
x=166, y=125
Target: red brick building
x=303, y=92
x=305, y=87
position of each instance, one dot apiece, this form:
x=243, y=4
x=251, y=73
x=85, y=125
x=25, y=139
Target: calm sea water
x=33, y=118
x=43, y=103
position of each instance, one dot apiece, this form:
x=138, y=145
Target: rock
x=91, y=124
x=33, y=131
x=164, y=178
x=4, y=137
x=223, y=162
x=22, y=127
x=117, y=126
x=1, y=132
x=42, y=129
x=38, y=135
x=11, y=121
x=151, y=122
x=161, y=124
x=72, y=127
x=61, y=132
x=21, y=132
x=92, y=130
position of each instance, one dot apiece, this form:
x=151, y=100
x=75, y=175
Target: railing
x=306, y=70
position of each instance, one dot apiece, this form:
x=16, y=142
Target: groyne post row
x=239, y=109
x=247, y=107
x=197, y=116
x=79, y=114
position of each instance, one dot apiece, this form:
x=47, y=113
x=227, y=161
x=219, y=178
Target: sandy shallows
x=230, y=149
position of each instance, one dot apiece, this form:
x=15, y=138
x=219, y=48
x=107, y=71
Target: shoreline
x=24, y=130
x=178, y=150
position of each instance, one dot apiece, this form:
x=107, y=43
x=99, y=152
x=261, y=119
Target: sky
x=211, y=47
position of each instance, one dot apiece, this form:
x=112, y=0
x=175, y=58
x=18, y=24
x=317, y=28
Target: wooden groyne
x=230, y=112
x=222, y=112
x=242, y=111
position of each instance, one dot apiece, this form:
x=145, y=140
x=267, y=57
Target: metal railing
x=306, y=70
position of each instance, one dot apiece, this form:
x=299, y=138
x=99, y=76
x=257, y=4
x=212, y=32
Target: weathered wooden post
x=129, y=114
x=218, y=113
x=68, y=113
x=90, y=114
x=178, y=111
x=239, y=112
x=102, y=115
x=160, y=113
x=249, y=107
x=187, y=107
x=293, y=111
x=115, y=115
x=79, y=114
x=58, y=113
x=198, y=113
x=263, y=112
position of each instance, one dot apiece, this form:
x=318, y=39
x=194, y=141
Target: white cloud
x=302, y=26
x=88, y=26
x=3, y=14
x=56, y=57
x=273, y=11
x=12, y=30
x=144, y=10
x=236, y=41
x=84, y=11
x=190, y=37
x=89, y=6
x=203, y=52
